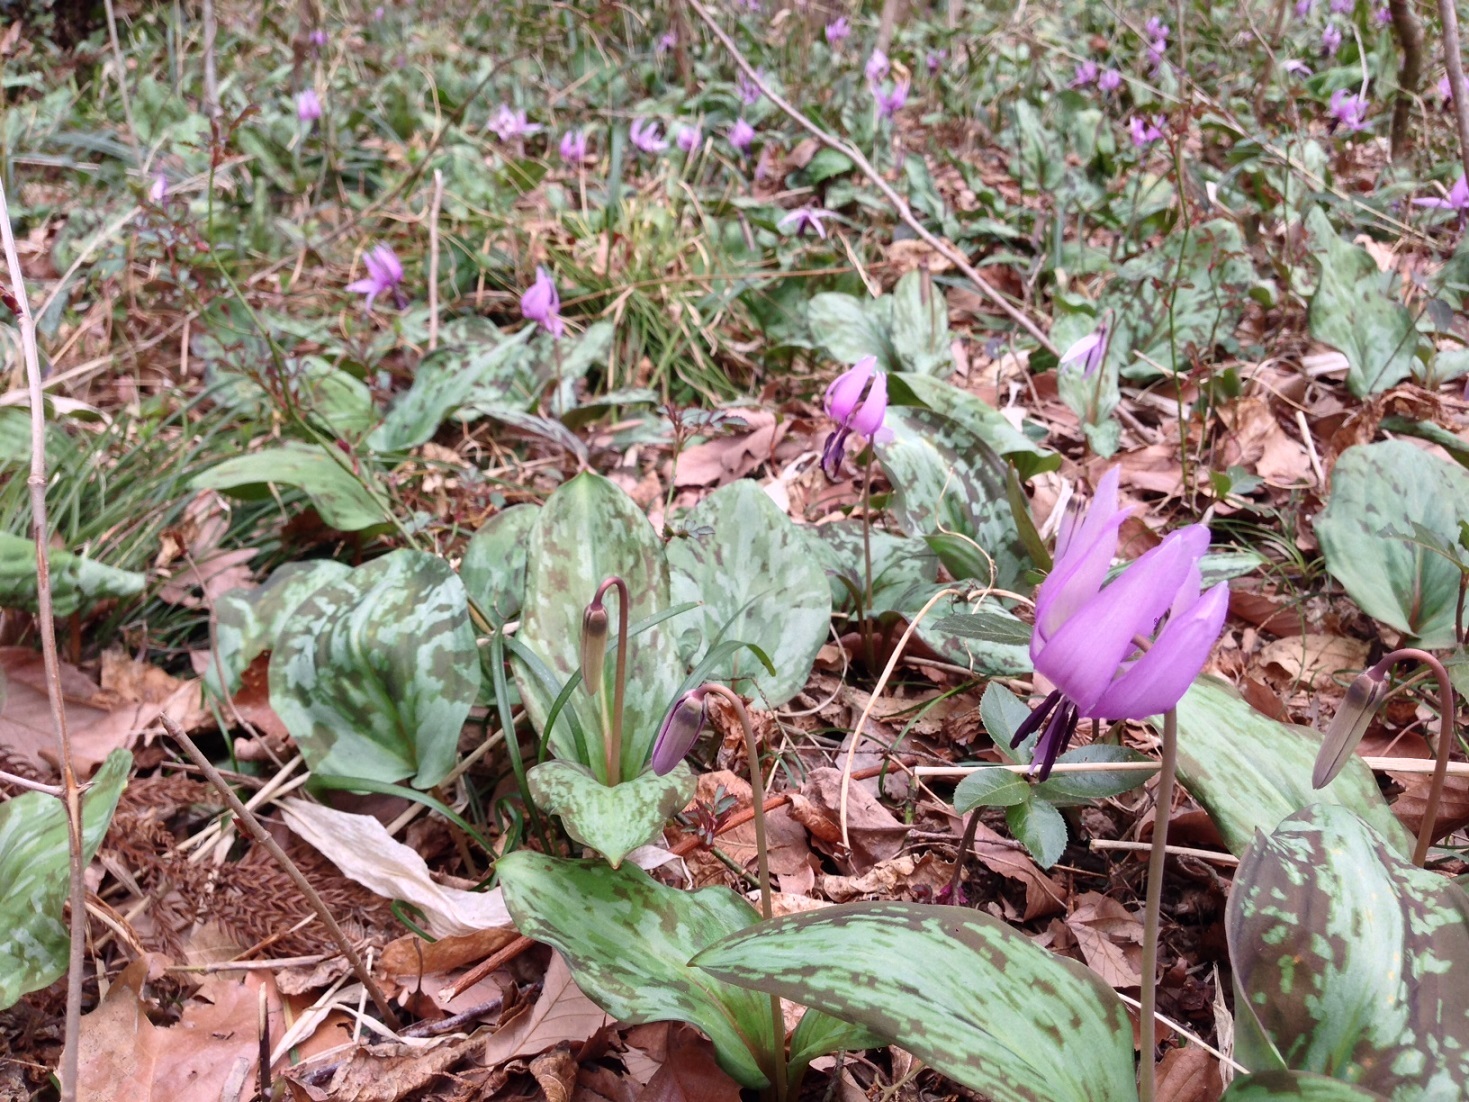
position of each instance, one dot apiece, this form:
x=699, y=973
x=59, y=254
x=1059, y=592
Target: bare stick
x=433, y=260
x=855, y=155
x=122, y=81
x=46, y=621
x=1147, y=1073
x=1454, y=62
x=211, y=77
x=30, y=785
x=1410, y=74
x=255, y=830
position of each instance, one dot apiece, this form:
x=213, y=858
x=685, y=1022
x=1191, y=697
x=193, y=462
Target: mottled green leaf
x=1295, y=1086
x=965, y=993
x=587, y=530
x=947, y=479
x=613, y=821
x=1038, y=827
x=493, y=567
x=898, y=563
x=445, y=380
x=987, y=625
x=34, y=872
x=338, y=496
x=817, y=1034
x=76, y=582
x=374, y=673
x=976, y=415
x=993, y=657
x=249, y=620
x=850, y=328
x=1352, y=962
x=921, y=334
x=326, y=395
x=1354, y=314
x=1378, y=492
x=628, y=940
x=755, y=575
x=990, y=787
x=1250, y=772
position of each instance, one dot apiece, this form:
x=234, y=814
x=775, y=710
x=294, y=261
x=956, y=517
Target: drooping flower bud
x=680, y=730
x=1364, y=697
x=594, y=624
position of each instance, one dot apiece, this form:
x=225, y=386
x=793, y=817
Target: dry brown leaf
x=555, y=1073
x=1189, y=1075
x=215, y=575
x=212, y=1051
x=691, y=1074
x=387, y=1073
x=903, y=877
x=875, y=834
x=1316, y=659
x=1257, y=442
x=729, y=457
x=562, y=1015
x=1109, y=937
x=412, y=956
x=1412, y=802
x=789, y=851
x=100, y=721
x=1043, y=896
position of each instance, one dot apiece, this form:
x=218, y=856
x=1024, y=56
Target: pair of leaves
x=1349, y=961
x=907, y=331
x=629, y=939
x=76, y=582
x=34, y=868
x=1381, y=493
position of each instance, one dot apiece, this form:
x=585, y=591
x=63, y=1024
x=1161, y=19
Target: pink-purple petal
x=1158, y=680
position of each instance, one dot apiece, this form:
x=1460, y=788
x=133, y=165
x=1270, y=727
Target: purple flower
x=666, y=43
x=741, y=134
x=890, y=101
x=1296, y=67
x=1156, y=49
x=573, y=147
x=805, y=218
x=542, y=305
x=158, y=188
x=689, y=138
x=308, y=106
x=846, y=405
x=1303, y=8
x=384, y=273
x=1445, y=90
x=510, y=123
x=1348, y=111
x=1086, y=639
x=1341, y=7
x=1457, y=199
x=935, y=59
x=680, y=730
x=379, y=13
x=1382, y=16
x=1109, y=81
x=749, y=91
x=1156, y=29
x=643, y=133
x=1091, y=350
x=837, y=31
x=1086, y=73
x=1330, y=39
x=317, y=38
x=1145, y=132
x=877, y=67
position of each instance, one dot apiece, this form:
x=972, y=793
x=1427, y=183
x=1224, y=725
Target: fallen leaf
x=211, y=577
x=385, y=1073
x=1189, y=1075
x=894, y=879
x=727, y=458
x=363, y=849
x=789, y=852
x=875, y=834
x=412, y=956
x=1412, y=802
x=1316, y=659
x=1043, y=896
x=1109, y=937
x=562, y=1015
x=1257, y=442
x=691, y=1075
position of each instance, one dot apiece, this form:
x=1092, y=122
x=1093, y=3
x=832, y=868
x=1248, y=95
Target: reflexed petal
x=833, y=451
x=868, y=419
x=1082, y=657
x=845, y=391
x=1084, y=554
x=1079, y=350
x=1158, y=680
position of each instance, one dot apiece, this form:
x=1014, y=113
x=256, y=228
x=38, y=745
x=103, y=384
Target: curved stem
x=1446, y=733
x=1147, y=1075
x=619, y=685
x=762, y=857
x=868, y=652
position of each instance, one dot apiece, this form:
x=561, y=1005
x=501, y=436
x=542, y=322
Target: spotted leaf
x=1295, y=1086
x=249, y=620
x=493, y=567
x=1349, y=961
x=614, y=820
x=76, y=582
x=374, y=673
x=964, y=992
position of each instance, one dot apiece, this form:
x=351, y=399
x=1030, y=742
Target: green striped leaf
x=249, y=620
x=1349, y=961
x=1295, y=1086
x=35, y=872
x=375, y=673
x=76, y=582
x=493, y=567
x=968, y=995
x=326, y=479
x=628, y=940
x=613, y=820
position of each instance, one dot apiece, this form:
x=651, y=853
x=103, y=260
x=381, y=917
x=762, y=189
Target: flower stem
x=1147, y=1078
x=867, y=563
x=619, y=680
x=762, y=857
x=1446, y=738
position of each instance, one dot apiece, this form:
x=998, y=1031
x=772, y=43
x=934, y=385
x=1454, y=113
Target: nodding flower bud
x=1364, y=697
x=594, y=622
x=680, y=730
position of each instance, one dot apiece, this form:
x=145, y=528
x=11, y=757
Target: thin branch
x=46, y=622
x=1454, y=63
x=122, y=82
x=211, y=76
x=855, y=155
x=30, y=785
x=1409, y=33
x=433, y=260
x=255, y=830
